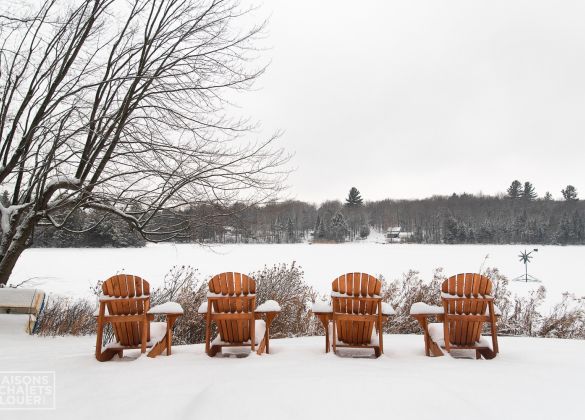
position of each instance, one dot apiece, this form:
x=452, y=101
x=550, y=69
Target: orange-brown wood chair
x=231, y=304
x=126, y=305
x=468, y=306
x=357, y=309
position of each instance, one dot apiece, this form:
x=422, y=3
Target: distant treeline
x=456, y=219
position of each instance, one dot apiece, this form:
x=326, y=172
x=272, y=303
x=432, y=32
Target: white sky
x=406, y=99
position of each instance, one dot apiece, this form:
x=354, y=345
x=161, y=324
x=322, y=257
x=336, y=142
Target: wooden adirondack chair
x=231, y=304
x=467, y=305
x=357, y=308
x=126, y=304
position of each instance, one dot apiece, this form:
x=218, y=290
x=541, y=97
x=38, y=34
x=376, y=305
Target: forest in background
x=519, y=216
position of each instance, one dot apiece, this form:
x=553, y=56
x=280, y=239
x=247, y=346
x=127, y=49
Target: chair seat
x=438, y=336
x=158, y=330
x=374, y=340
x=259, y=329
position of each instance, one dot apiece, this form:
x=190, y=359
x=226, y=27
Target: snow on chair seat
x=357, y=310
x=157, y=333
x=231, y=304
x=467, y=305
x=259, y=331
x=437, y=334
x=125, y=304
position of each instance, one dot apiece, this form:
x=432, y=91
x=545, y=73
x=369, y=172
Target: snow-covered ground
x=74, y=271
x=530, y=379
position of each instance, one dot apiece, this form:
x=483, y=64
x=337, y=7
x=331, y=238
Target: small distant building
x=396, y=235
x=393, y=234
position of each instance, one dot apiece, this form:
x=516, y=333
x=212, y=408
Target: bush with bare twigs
x=521, y=316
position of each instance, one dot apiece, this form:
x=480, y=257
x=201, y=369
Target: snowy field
x=73, y=272
x=530, y=379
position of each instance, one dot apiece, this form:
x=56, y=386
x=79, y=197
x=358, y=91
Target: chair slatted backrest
x=473, y=287
x=352, y=287
x=237, y=292
x=127, y=286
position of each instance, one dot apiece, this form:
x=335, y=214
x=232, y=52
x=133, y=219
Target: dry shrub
x=401, y=294
x=182, y=285
x=566, y=320
x=284, y=283
x=62, y=316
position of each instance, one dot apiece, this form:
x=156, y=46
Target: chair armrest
x=122, y=299
x=202, y=310
x=96, y=313
x=423, y=309
x=167, y=308
x=387, y=309
x=321, y=308
x=270, y=306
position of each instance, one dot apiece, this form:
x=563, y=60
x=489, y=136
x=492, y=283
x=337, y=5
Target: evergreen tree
x=565, y=231
x=450, y=230
x=364, y=231
x=339, y=228
x=321, y=228
x=528, y=193
x=354, y=199
x=548, y=196
x=519, y=226
x=569, y=193
x=290, y=230
x=486, y=233
x=578, y=227
x=515, y=189
x=317, y=227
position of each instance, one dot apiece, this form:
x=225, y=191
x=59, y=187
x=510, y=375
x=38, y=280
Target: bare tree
x=120, y=106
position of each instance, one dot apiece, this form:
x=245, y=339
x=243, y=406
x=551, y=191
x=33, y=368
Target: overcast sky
x=406, y=99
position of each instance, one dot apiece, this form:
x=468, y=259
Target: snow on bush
x=285, y=284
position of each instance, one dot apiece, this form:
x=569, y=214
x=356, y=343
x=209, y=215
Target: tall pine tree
x=515, y=189
x=354, y=199
x=528, y=193
x=339, y=228
x=569, y=193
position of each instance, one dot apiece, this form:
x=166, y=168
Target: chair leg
x=213, y=351
x=99, y=343
x=170, y=323
x=426, y=336
x=380, y=334
x=334, y=344
x=207, y=333
x=253, y=332
x=379, y=328
x=144, y=335
x=446, y=335
x=269, y=318
x=493, y=328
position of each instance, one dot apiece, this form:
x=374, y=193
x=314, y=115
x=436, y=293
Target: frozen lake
x=73, y=271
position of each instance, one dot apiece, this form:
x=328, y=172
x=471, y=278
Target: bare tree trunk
x=121, y=107
x=14, y=243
